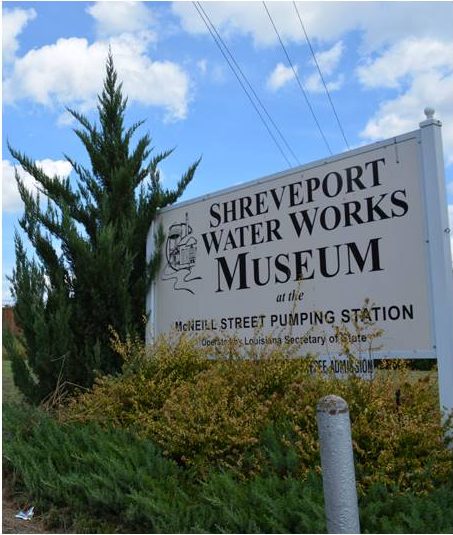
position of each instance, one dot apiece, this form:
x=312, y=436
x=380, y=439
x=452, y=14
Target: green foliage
x=229, y=413
x=10, y=392
x=384, y=511
x=91, y=480
x=105, y=473
x=66, y=301
x=265, y=504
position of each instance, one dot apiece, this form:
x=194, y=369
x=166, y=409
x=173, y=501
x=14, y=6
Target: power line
x=219, y=42
x=320, y=74
x=298, y=79
x=249, y=85
x=218, y=39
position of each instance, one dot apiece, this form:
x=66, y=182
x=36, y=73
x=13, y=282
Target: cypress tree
x=89, y=272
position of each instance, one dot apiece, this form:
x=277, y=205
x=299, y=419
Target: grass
x=10, y=392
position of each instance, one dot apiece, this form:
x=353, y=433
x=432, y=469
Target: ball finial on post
x=429, y=112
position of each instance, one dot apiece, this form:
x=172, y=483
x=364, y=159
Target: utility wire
x=298, y=79
x=204, y=17
x=249, y=84
x=320, y=74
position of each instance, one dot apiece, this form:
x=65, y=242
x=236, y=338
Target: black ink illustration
x=181, y=254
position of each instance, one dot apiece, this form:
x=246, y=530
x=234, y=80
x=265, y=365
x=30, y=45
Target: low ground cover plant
x=95, y=480
x=179, y=443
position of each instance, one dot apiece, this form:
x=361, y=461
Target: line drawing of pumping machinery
x=181, y=247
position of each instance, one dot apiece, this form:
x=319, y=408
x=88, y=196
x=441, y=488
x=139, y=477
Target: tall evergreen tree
x=90, y=271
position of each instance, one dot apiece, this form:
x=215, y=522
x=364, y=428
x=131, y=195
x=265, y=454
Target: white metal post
x=150, y=294
x=337, y=462
x=439, y=253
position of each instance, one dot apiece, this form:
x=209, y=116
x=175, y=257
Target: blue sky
x=383, y=63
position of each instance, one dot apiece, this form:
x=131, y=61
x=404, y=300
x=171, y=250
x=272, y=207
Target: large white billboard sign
x=286, y=259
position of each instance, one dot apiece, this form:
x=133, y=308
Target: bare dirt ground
x=11, y=524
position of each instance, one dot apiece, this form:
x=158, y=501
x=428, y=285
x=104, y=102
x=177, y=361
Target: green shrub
x=93, y=472
x=265, y=504
x=90, y=480
x=384, y=511
x=135, y=398
x=218, y=414
x=97, y=479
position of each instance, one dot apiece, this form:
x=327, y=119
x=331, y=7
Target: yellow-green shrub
x=135, y=398
x=206, y=413
x=396, y=444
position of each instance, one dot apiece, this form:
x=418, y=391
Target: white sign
x=286, y=259
x=297, y=259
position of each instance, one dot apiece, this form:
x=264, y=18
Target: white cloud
x=328, y=61
x=380, y=23
x=60, y=73
x=70, y=72
x=115, y=18
x=229, y=17
x=65, y=119
x=11, y=201
x=408, y=57
x=14, y=21
x=421, y=71
x=314, y=84
x=280, y=76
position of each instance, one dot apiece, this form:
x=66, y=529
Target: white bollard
x=337, y=462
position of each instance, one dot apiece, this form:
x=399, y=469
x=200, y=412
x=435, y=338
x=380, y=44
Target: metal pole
x=438, y=234
x=151, y=291
x=340, y=494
